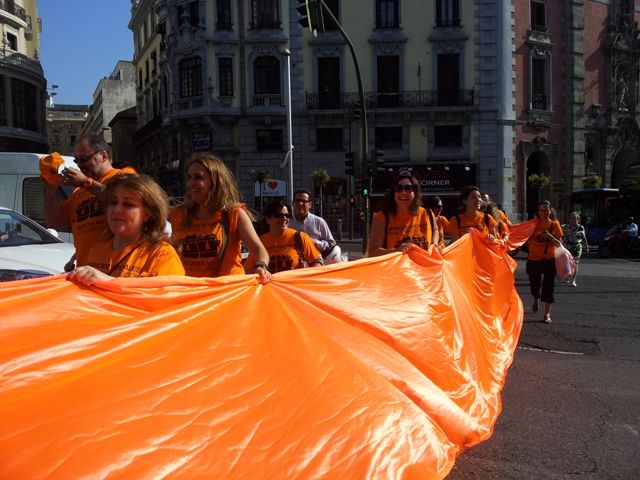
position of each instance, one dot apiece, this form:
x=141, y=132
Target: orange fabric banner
x=380, y=368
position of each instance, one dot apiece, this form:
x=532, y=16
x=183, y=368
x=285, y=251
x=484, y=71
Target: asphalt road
x=571, y=402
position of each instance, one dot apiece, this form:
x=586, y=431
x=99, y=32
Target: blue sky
x=81, y=42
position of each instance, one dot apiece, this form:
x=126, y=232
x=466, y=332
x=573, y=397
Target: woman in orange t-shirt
x=471, y=216
x=434, y=204
x=541, y=263
x=136, y=245
x=403, y=222
x=287, y=248
x=211, y=224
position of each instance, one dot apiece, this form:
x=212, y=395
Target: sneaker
x=546, y=318
x=573, y=284
x=535, y=305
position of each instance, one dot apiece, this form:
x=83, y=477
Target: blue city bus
x=629, y=196
x=598, y=209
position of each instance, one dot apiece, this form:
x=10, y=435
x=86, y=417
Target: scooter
x=617, y=244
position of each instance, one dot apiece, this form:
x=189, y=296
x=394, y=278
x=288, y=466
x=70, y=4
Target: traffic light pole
x=364, y=134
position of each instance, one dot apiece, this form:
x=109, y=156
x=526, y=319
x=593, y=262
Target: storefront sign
x=438, y=178
x=271, y=188
x=201, y=141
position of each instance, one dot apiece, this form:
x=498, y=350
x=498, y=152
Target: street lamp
x=286, y=53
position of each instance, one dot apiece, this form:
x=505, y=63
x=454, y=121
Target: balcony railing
x=9, y=6
x=416, y=98
x=267, y=100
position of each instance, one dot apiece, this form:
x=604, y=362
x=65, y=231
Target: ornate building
x=576, y=95
x=64, y=124
x=22, y=83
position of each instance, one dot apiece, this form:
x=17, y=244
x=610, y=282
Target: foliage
x=592, y=181
x=539, y=180
x=259, y=176
x=321, y=177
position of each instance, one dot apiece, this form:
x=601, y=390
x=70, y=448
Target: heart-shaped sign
x=272, y=184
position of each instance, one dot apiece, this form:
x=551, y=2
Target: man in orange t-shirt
x=84, y=210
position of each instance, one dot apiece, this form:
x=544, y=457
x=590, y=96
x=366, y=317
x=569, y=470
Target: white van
x=22, y=189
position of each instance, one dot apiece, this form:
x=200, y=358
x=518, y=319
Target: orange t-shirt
x=414, y=229
x=199, y=243
x=87, y=216
x=479, y=222
x=135, y=260
x=283, y=254
x=442, y=222
x=540, y=247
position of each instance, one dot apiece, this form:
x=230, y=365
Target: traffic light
x=311, y=15
x=352, y=200
x=356, y=112
x=377, y=163
x=362, y=188
x=348, y=164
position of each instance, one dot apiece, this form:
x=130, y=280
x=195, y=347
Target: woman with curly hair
x=135, y=244
x=403, y=222
x=211, y=223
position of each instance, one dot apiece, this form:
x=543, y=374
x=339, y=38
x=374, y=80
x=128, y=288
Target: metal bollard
x=339, y=229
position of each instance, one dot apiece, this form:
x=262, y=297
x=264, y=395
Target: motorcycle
x=617, y=244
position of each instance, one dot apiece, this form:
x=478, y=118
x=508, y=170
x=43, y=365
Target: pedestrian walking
x=434, y=203
x=541, y=263
x=402, y=222
x=136, y=244
x=575, y=240
x=470, y=216
x=209, y=226
x=288, y=249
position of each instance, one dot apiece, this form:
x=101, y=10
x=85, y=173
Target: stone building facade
x=64, y=124
x=22, y=84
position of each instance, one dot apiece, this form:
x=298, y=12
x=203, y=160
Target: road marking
x=548, y=350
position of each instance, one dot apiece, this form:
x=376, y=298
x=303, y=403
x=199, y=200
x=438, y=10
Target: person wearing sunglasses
x=288, y=249
x=402, y=222
x=212, y=223
x=136, y=244
x=541, y=263
x=471, y=217
x=84, y=210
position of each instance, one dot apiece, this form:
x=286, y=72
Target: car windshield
x=16, y=230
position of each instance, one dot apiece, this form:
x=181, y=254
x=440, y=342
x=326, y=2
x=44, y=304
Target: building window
x=3, y=113
x=269, y=140
x=25, y=106
x=225, y=76
x=140, y=78
x=190, y=77
x=12, y=42
x=447, y=13
x=334, y=6
x=448, y=80
x=387, y=15
x=447, y=136
x=539, y=84
x=329, y=139
x=266, y=76
x=223, y=15
x=388, y=70
x=265, y=14
x=388, y=137
x=538, y=16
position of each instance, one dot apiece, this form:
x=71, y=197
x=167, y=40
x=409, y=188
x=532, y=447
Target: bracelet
x=87, y=183
x=262, y=265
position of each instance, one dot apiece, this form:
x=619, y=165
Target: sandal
x=546, y=318
x=535, y=305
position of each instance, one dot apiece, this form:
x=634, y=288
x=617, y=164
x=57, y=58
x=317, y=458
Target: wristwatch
x=262, y=265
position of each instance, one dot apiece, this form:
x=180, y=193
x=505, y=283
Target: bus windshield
x=597, y=209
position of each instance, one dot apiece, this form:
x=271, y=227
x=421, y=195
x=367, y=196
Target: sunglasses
x=84, y=158
x=405, y=188
x=281, y=216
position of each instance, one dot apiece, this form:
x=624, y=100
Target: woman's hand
x=87, y=275
x=264, y=275
x=404, y=247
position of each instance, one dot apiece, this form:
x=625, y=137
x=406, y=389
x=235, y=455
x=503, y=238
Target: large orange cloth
x=386, y=367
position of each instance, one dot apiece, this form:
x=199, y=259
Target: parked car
x=28, y=250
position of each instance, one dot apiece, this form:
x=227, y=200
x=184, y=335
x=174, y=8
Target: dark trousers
x=542, y=271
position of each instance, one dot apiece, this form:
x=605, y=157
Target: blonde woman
x=209, y=226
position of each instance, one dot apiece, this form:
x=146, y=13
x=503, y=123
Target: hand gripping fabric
x=380, y=368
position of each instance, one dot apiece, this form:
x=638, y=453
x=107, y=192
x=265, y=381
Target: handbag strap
x=297, y=238
x=223, y=249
